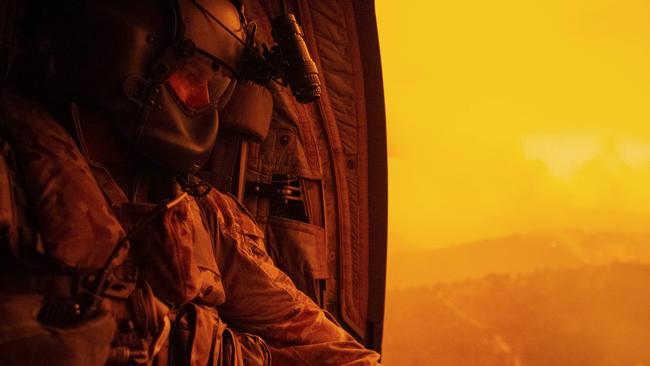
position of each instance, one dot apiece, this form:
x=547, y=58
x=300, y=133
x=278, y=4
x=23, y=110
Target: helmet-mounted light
x=288, y=60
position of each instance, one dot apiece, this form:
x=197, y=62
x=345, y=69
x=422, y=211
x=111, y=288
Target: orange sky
x=509, y=116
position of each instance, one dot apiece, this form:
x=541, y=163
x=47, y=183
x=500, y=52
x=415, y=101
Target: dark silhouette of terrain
x=569, y=298
x=595, y=315
x=521, y=253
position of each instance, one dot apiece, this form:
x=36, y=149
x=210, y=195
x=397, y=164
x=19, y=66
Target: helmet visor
x=200, y=82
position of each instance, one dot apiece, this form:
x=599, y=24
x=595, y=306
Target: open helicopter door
x=317, y=184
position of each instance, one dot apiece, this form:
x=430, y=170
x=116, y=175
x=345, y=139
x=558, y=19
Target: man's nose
x=193, y=93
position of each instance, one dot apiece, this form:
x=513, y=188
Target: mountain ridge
x=517, y=253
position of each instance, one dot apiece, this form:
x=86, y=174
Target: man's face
x=181, y=114
x=199, y=82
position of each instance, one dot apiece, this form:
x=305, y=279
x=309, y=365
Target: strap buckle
x=284, y=187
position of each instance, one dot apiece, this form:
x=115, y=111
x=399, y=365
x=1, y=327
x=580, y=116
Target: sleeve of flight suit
x=262, y=300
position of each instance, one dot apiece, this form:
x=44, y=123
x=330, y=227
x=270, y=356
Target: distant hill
x=592, y=315
x=522, y=253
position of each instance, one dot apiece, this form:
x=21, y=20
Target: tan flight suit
x=206, y=255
